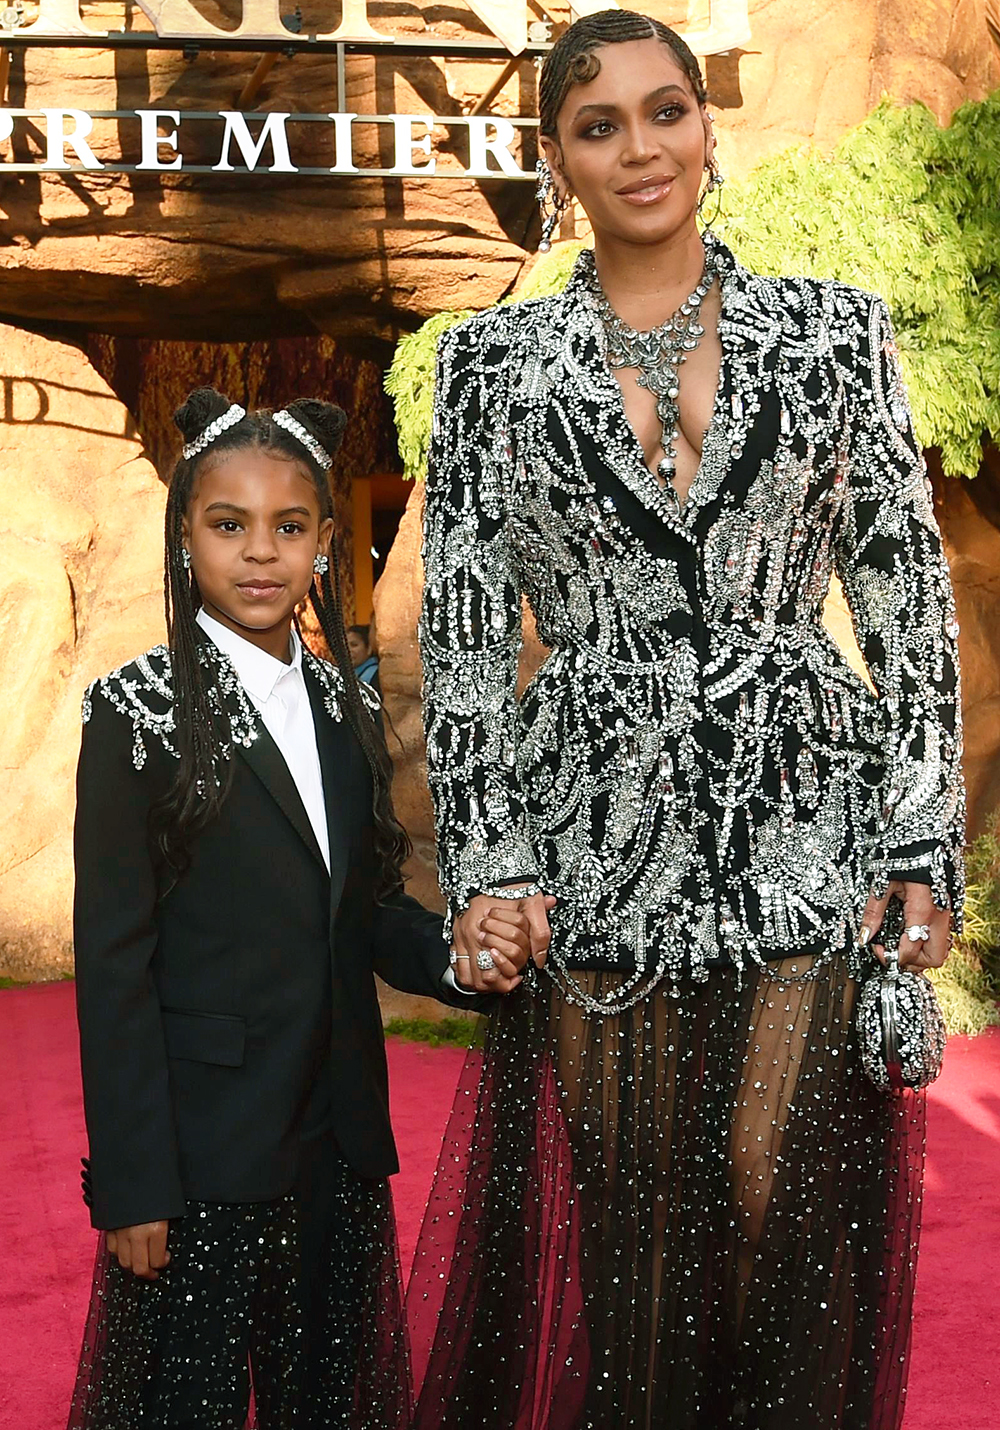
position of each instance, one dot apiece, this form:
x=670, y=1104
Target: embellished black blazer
x=694, y=771
x=228, y=1016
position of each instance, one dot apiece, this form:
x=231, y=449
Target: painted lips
x=648, y=191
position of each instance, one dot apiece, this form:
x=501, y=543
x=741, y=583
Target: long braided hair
x=573, y=59
x=204, y=774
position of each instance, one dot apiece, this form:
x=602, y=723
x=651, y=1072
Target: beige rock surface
x=230, y=256
x=81, y=521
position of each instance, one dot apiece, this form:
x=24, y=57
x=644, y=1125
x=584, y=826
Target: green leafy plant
x=902, y=206
x=968, y=986
x=446, y=1033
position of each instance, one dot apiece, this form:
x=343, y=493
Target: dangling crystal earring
x=715, y=183
x=321, y=565
x=551, y=204
x=185, y=558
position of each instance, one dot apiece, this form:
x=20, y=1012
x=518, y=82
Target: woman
x=237, y=887
x=362, y=649
x=683, y=1206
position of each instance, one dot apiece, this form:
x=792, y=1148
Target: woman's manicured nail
x=864, y=935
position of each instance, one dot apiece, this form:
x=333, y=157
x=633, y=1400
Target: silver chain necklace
x=657, y=356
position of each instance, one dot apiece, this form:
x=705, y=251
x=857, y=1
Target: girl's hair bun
x=198, y=409
x=323, y=419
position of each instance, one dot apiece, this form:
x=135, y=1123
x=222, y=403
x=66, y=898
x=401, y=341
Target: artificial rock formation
x=227, y=256
x=81, y=591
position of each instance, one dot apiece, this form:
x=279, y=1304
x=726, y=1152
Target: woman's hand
x=141, y=1249
x=506, y=932
x=920, y=917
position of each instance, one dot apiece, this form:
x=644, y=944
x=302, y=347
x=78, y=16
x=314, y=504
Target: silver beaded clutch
x=900, y=1026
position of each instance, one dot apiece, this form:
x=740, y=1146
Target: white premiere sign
x=250, y=143
x=476, y=146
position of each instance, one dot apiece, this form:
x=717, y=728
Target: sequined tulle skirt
x=693, y=1215
x=281, y=1315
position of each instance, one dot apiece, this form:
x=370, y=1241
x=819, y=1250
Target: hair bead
x=214, y=429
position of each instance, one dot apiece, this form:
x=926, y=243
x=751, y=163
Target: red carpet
x=48, y=1248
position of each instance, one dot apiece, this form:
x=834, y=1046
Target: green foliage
x=968, y=986
x=448, y=1033
x=901, y=206
x=908, y=209
x=410, y=383
x=550, y=273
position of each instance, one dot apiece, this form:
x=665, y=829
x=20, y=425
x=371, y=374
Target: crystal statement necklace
x=657, y=356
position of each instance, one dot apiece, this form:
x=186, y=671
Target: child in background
x=363, y=654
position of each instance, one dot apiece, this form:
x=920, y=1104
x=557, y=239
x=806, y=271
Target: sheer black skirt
x=696, y=1214
x=282, y=1315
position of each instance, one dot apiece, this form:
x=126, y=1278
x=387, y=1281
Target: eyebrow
x=242, y=510
x=614, y=108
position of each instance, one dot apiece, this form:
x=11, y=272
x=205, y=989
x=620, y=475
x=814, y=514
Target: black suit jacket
x=224, y=1018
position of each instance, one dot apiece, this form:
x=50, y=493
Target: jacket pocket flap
x=205, y=1037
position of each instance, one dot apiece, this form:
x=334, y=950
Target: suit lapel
x=261, y=753
x=267, y=763
x=338, y=754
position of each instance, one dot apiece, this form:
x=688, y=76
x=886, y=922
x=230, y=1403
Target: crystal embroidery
x=696, y=771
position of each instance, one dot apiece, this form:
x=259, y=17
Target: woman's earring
x=321, y=565
x=185, y=558
x=551, y=204
x=715, y=183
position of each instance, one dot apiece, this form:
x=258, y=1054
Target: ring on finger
x=484, y=960
x=453, y=956
x=918, y=933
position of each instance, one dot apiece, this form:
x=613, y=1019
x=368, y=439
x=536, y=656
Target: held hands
x=141, y=1249
x=505, y=933
x=920, y=917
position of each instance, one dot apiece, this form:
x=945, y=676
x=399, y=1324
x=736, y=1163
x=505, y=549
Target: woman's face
x=632, y=144
x=357, y=647
x=253, y=529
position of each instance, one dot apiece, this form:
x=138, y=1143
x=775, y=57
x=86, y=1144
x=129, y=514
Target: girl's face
x=253, y=529
x=632, y=144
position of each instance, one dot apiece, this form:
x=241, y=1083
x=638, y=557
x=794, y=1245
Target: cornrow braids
x=205, y=769
x=573, y=58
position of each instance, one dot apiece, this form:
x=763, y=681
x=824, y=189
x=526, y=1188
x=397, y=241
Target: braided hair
x=573, y=58
x=205, y=771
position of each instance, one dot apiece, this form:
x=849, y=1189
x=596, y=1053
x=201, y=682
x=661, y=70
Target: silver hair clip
x=318, y=453
x=235, y=414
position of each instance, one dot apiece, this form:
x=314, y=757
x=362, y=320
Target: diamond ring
x=484, y=960
x=918, y=933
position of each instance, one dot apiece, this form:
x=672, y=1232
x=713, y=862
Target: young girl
x=238, y=883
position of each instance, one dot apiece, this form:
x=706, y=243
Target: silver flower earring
x=321, y=565
x=185, y=558
x=715, y=183
x=551, y=204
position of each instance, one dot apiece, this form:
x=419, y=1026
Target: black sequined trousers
x=281, y=1315
x=694, y=1215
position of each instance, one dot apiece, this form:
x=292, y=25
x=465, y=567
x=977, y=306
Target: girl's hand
x=919, y=914
x=503, y=929
x=141, y=1249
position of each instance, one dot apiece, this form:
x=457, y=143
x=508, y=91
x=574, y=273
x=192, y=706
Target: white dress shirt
x=279, y=693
